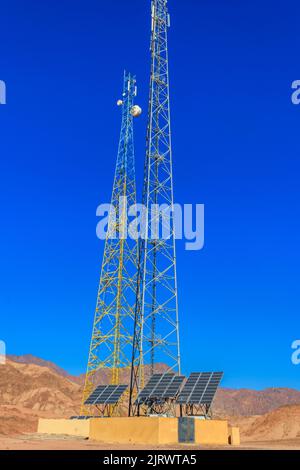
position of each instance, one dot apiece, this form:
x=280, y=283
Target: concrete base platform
x=66, y=427
x=211, y=432
x=234, y=437
x=143, y=430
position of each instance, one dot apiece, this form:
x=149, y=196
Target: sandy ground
x=39, y=442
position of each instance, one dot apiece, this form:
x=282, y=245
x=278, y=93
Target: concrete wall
x=153, y=431
x=211, y=432
x=69, y=427
x=168, y=431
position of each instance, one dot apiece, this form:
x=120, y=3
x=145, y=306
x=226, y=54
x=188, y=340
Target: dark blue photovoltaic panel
x=93, y=397
x=106, y=394
x=174, y=388
x=161, y=387
x=200, y=388
x=116, y=395
x=211, y=389
x=151, y=385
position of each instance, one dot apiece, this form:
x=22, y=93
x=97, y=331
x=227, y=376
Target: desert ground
x=40, y=442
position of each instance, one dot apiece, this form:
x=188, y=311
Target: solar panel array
x=200, y=388
x=81, y=417
x=161, y=387
x=106, y=395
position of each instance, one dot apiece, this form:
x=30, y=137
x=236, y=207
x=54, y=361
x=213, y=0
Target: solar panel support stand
x=197, y=410
x=159, y=397
x=167, y=408
x=107, y=411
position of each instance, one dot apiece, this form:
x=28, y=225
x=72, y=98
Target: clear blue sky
x=236, y=149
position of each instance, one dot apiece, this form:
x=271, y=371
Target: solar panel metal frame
x=200, y=388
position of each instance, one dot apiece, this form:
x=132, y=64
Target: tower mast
x=112, y=336
x=156, y=337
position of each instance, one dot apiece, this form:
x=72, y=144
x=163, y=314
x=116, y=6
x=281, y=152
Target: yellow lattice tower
x=111, y=345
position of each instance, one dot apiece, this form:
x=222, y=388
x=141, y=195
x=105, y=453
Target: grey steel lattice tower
x=156, y=338
x=113, y=330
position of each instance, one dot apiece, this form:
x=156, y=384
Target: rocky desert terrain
x=31, y=388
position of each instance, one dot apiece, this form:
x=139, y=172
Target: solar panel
x=116, y=395
x=161, y=387
x=93, y=397
x=174, y=388
x=81, y=418
x=106, y=394
x=200, y=388
x=211, y=389
x=144, y=394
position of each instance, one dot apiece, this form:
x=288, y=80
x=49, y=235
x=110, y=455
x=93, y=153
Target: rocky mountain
x=246, y=402
x=29, y=391
x=29, y=359
x=282, y=423
x=104, y=376
x=38, y=388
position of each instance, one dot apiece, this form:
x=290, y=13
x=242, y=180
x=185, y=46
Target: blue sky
x=236, y=149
